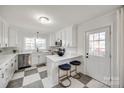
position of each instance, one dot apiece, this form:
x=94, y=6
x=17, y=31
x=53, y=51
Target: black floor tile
x=85, y=87
x=30, y=72
x=37, y=84
x=15, y=83
x=58, y=86
x=84, y=78
x=41, y=65
x=43, y=74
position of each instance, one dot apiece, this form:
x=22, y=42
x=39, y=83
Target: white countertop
x=57, y=58
x=34, y=52
x=6, y=58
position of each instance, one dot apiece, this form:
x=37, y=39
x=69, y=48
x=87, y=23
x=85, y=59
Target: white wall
x=108, y=19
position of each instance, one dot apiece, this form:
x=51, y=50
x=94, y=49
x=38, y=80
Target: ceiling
x=26, y=16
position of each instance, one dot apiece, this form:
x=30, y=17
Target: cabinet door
x=64, y=38
x=16, y=63
x=1, y=33
x=52, y=39
x=57, y=36
x=2, y=80
x=5, y=35
x=5, y=75
x=12, y=38
x=71, y=37
x=34, y=59
x=68, y=37
x=42, y=59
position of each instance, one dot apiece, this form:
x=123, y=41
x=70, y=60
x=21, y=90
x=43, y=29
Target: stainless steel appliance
x=24, y=60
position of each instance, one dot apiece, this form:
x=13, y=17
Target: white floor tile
x=40, y=69
x=95, y=84
x=46, y=83
x=31, y=78
x=18, y=75
x=75, y=83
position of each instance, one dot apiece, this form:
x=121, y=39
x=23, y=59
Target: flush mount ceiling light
x=44, y=20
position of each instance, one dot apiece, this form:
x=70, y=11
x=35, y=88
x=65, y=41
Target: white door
x=98, y=54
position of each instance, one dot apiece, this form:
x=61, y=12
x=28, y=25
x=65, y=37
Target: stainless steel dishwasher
x=24, y=61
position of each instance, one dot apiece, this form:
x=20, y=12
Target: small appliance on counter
x=58, y=43
x=61, y=51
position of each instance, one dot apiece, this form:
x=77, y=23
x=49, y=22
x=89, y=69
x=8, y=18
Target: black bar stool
x=75, y=63
x=64, y=67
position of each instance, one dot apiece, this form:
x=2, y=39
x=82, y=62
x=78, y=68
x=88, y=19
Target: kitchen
x=35, y=47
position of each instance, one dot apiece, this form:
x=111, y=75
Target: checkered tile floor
x=36, y=77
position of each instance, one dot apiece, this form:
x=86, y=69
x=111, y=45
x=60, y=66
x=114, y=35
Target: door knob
x=86, y=56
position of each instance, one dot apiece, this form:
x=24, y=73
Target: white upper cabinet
x=71, y=36
x=63, y=38
x=8, y=38
x=3, y=34
x=68, y=36
x=58, y=35
x=5, y=38
x=13, y=38
x=52, y=39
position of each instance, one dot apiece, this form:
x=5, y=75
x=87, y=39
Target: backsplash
x=71, y=50
x=7, y=50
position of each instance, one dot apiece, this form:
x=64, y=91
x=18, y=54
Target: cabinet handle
x=2, y=75
x=6, y=64
x=12, y=65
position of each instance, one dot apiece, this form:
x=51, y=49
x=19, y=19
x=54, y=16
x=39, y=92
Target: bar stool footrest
x=61, y=82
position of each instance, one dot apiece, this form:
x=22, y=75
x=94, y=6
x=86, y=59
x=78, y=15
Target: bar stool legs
x=63, y=78
x=77, y=76
x=76, y=64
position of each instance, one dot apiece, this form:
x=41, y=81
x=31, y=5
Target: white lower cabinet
x=6, y=72
x=41, y=59
x=34, y=59
x=3, y=82
x=38, y=58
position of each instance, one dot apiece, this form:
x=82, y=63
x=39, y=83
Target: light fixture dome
x=44, y=20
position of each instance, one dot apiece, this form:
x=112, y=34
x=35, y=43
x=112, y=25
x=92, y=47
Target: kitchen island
x=53, y=61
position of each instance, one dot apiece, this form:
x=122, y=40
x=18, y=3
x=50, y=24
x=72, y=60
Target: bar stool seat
x=64, y=67
x=75, y=63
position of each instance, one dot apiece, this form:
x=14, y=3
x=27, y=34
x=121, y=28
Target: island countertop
x=57, y=58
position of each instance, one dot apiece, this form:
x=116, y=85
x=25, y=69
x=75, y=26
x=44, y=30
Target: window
x=32, y=43
x=41, y=43
x=97, y=44
x=29, y=43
